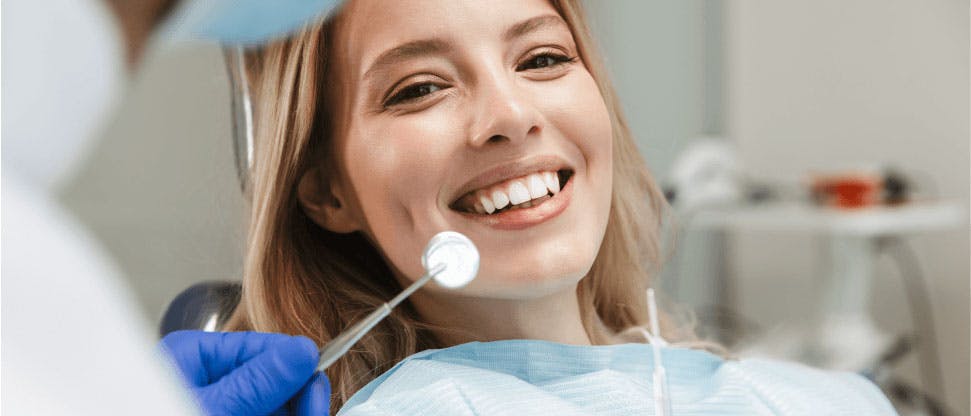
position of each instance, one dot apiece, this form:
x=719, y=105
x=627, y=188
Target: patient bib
x=526, y=377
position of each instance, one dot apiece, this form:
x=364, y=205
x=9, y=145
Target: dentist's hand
x=251, y=373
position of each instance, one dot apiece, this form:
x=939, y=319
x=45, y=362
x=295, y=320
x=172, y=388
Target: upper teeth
x=513, y=192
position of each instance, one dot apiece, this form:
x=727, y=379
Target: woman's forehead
x=371, y=28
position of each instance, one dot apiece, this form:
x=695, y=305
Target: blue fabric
x=523, y=377
x=244, y=21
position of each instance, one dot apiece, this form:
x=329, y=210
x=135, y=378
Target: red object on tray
x=848, y=191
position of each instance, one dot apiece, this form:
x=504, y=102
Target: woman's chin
x=528, y=282
x=537, y=266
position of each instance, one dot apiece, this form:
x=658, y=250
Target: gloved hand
x=251, y=373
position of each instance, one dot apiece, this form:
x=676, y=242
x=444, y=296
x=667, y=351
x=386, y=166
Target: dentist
x=73, y=340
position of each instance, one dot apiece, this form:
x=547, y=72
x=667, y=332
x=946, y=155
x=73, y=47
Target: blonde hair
x=302, y=279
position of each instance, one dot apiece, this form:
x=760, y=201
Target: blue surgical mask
x=245, y=22
x=525, y=377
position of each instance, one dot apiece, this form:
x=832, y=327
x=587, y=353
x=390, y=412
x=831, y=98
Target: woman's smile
x=517, y=195
x=527, y=214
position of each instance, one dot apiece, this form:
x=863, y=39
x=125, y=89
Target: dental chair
x=204, y=306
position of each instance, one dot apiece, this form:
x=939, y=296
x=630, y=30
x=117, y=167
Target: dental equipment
x=450, y=258
x=242, y=111
x=662, y=398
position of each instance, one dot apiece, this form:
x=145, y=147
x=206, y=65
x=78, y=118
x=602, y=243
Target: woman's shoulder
x=794, y=386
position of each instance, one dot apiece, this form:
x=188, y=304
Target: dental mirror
x=449, y=257
x=457, y=253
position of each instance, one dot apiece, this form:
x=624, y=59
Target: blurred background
x=816, y=154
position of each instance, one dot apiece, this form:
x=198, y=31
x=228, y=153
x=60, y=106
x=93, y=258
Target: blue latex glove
x=251, y=373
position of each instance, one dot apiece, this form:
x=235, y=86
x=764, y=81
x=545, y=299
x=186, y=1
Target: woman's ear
x=325, y=203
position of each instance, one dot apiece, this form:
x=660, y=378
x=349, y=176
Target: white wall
x=833, y=83
x=160, y=190
x=655, y=52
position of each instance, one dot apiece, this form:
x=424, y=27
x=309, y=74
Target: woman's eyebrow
x=532, y=24
x=432, y=46
x=407, y=51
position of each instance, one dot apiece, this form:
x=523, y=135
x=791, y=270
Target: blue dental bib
x=526, y=377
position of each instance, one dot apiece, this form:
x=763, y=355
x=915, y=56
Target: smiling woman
x=394, y=120
x=375, y=131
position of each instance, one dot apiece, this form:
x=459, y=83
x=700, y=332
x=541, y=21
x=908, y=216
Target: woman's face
x=477, y=117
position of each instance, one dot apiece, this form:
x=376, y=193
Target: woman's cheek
x=396, y=171
x=575, y=108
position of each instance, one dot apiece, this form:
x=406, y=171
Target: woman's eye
x=412, y=92
x=544, y=60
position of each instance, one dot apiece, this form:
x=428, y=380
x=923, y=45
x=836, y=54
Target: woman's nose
x=504, y=114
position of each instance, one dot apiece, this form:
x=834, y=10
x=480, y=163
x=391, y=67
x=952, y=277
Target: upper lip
x=510, y=170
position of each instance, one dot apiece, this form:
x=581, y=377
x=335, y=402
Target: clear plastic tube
x=662, y=397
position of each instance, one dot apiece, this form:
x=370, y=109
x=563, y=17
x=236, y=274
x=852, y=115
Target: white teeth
x=537, y=187
x=499, y=199
x=552, y=182
x=487, y=204
x=518, y=193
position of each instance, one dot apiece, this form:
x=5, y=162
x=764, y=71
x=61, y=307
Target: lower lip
x=519, y=219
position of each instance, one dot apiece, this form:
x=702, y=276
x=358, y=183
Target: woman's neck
x=554, y=318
